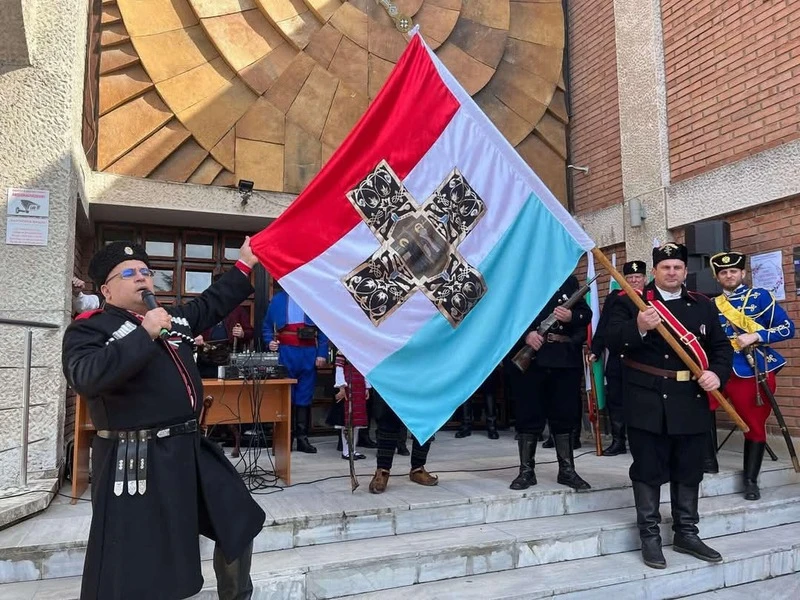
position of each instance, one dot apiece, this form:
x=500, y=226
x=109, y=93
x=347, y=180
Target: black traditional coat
x=146, y=546
x=561, y=354
x=613, y=367
x=658, y=404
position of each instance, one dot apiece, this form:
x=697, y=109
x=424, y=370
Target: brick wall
x=733, y=79
x=594, y=122
x=604, y=278
x=766, y=228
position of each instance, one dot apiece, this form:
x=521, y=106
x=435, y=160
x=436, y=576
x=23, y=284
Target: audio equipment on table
x=255, y=365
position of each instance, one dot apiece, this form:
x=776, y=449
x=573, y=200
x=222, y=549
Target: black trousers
x=546, y=395
x=614, y=398
x=660, y=457
x=389, y=431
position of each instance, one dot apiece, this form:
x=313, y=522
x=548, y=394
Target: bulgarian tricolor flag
x=425, y=246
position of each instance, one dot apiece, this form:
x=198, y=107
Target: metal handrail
x=26, y=386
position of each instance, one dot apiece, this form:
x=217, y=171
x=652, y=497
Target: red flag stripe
x=407, y=117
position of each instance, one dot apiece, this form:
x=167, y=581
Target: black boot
x=466, y=420
x=710, y=464
x=364, y=440
x=301, y=430
x=753, y=455
x=527, y=462
x=233, y=578
x=617, y=439
x=648, y=516
x=491, y=417
x=576, y=438
x=549, y=442
x=566, y=463
x=685, y=518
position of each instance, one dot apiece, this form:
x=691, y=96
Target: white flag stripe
x=514, y=160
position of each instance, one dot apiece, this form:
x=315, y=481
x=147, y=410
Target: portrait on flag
x=425, y=246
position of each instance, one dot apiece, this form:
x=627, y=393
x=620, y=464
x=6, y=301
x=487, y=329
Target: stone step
x=330, y=571
x=785, y=586
x=53, y=544
x=748, y=557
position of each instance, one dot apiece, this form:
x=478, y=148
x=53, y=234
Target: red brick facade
x=733, y=79
x=594, y=122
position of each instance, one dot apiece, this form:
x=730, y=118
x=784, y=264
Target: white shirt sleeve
x=339, y=377
x=83, y=302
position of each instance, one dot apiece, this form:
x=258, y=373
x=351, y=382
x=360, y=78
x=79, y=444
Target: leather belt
x=131, y=463
x=557, y=337
x=666, y=374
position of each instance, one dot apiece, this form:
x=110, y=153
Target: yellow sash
x=737, y=318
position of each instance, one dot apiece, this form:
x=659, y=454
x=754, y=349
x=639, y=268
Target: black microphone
x=149, y=298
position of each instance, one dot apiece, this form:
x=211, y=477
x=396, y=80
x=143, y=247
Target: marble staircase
x=468, y=537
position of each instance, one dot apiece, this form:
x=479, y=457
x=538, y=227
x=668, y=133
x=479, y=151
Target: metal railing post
x=26, y=404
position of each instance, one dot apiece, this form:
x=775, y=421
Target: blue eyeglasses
x=128, y=273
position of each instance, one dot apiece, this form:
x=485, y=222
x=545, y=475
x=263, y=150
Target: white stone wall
x=40, y=147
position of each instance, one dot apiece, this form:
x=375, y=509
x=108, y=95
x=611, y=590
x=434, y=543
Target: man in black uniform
x=157, y=484
x=550, y=390
x=634, y=272
x=666, y=410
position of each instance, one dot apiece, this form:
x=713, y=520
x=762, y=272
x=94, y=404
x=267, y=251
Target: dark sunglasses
x=128, y=273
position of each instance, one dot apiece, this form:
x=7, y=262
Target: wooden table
x=227, y=401
x=230, y=401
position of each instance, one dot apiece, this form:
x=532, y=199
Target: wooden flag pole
x=669, y=338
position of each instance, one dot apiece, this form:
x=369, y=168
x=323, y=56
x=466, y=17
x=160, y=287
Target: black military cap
x=109, y=257
x=634, y=267
x=727, y=260
x=668, y=251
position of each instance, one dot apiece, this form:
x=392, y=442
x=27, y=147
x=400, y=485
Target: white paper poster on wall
x=766, y=271
x=28, y=217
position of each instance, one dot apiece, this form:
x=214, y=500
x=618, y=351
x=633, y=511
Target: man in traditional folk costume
x=351, y=403
x=550, y=390
x=752, y=320
x=157, y=484
x=635, y=274
x=667, y=411
x=302, y=348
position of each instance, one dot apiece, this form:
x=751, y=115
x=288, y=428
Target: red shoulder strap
x=88, y=313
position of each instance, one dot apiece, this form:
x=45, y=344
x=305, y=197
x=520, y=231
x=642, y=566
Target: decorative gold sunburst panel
x=213, y=91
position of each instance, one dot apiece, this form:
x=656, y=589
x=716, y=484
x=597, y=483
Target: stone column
x=40, y=145
x=643, y=121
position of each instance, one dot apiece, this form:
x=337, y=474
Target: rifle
x=591, y=401
x=763, y=386
x=349, y=436
x=522, y=359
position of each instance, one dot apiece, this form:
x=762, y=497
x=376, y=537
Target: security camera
x=245, y=190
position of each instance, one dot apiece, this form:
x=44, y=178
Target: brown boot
x=422, y=477
x=379, y=481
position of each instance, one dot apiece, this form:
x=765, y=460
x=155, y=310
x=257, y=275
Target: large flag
x=597, y=379
x=425, y=246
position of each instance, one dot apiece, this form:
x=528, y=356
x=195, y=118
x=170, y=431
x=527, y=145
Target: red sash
x=686, y=337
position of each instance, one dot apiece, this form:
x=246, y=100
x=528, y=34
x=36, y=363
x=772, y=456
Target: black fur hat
x=109, y=257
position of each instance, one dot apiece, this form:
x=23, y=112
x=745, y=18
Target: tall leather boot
x=466, y=420
x=685, y=518
x=617, y=439
x=710, y=464
x=576, y=438
x=753, y=456
x=301, y=430
x=566, y=463
x=233, y=578
x=527, y=454
x=648, y=516
x=491, y=417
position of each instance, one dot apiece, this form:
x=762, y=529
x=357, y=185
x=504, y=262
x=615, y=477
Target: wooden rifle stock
x=522, y=359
